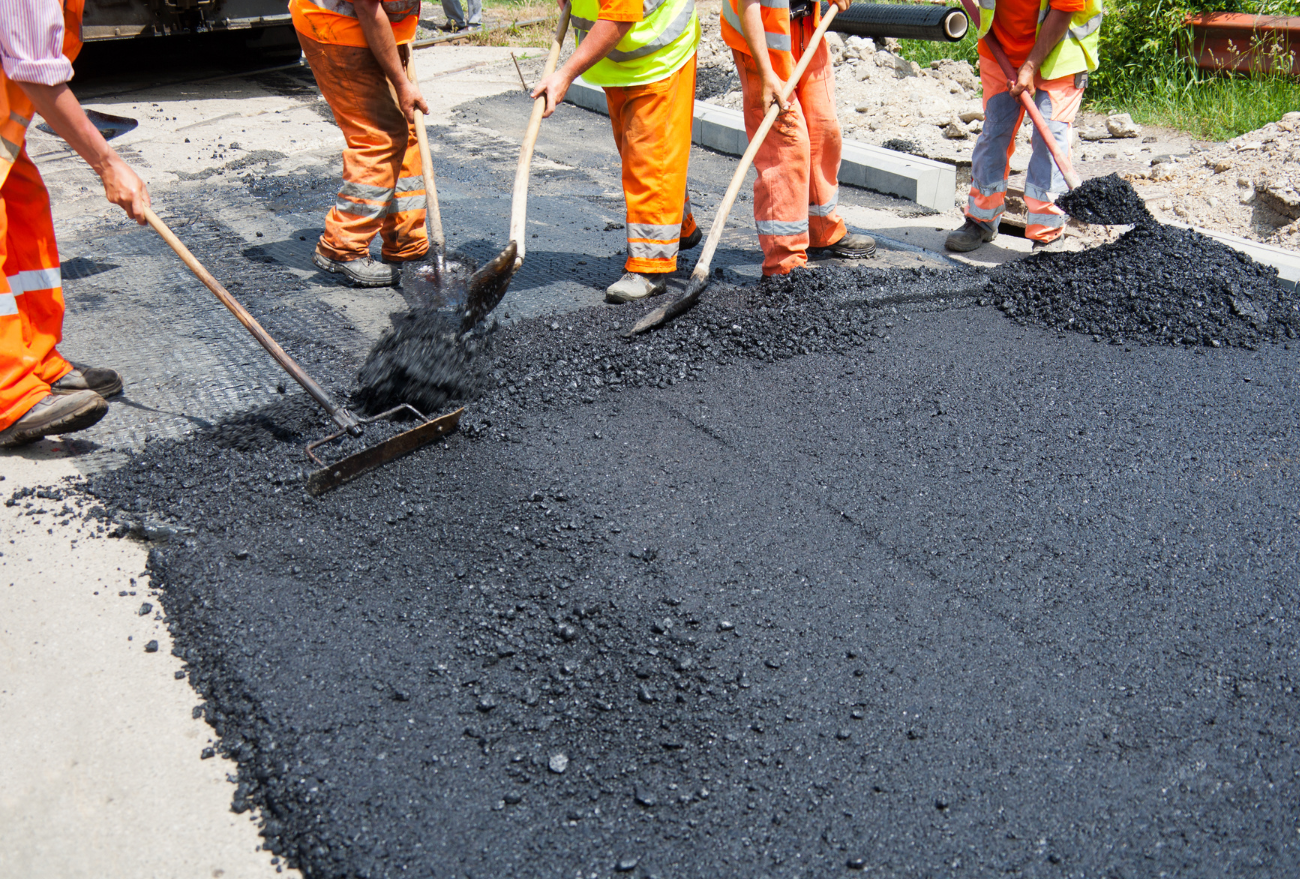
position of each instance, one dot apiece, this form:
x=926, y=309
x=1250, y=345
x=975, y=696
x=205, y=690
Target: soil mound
x=1155, y=285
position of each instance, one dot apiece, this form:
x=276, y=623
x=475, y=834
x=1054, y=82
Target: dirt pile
x=1247, y=186
x=1155, y=285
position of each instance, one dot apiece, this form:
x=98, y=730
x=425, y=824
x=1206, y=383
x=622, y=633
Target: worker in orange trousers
x=643, y=55
x=358, y=51
x=41, y=393
x=796, y=192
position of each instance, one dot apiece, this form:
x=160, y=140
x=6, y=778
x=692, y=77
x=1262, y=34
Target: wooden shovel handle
x=519, y=201
x=433, y=213
x=343, y=417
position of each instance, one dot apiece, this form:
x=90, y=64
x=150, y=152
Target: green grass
x=1215, y=107
x=925, y=51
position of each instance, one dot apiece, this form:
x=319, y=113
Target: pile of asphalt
x=1156, y=284
x=816, y=580
x=423, y=361
x=1106, y=201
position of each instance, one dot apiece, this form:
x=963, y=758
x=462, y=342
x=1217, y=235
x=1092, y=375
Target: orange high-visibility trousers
x=31, y=292
x=383, y=183
x=652, y=129
x=1059, y=101
x=798, y=165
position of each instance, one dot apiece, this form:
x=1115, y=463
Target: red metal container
x=1246, y=43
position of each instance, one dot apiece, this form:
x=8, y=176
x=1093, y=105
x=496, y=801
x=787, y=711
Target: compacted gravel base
x=829, y=575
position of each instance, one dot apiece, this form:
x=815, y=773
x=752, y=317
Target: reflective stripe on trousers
x=797, y=188
x=652, y=130
x=383, y=183
x=1058, y=100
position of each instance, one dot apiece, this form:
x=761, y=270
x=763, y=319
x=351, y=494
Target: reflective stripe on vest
x=1078, y=50
x=776, y=31
x=653, y=49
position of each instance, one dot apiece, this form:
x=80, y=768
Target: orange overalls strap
x=334, y=22
x=31, y=287
x=776, y=29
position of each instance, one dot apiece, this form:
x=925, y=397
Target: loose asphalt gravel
x=840, y=573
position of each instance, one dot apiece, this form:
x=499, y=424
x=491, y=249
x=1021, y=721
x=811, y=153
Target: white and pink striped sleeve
x=31, y=42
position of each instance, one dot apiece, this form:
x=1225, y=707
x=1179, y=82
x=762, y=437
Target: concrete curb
x=928, y=183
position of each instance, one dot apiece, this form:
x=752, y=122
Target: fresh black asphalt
x=826, y=576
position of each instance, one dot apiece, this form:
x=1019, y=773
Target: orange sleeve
x=1067, y=5
x=632, y=10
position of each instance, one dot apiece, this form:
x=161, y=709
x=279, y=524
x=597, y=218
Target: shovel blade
x=665, y=313
x=331, y=477
x=488, y=286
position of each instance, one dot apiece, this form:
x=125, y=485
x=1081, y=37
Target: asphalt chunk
x=1107, y=201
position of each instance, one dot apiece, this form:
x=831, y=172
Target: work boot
x=105, y=382
x=635, y=285
x=395, y=261
x=364, y=272
x=691, y=240
x=850, y=246
x=970, y=236
x=55, y=414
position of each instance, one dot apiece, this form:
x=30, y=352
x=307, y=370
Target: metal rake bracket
x=331, y=476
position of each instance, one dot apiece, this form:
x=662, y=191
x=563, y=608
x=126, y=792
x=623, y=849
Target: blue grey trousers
x=456, y=14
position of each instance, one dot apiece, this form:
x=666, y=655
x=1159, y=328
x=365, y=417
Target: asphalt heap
x=833, y=573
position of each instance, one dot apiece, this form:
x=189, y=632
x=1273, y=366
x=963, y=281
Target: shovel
x=700, y=276
x=334, y=475
x=489, y=284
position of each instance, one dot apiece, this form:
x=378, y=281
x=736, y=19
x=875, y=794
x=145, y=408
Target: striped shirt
x=31, y=42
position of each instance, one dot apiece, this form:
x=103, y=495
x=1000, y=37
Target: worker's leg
x=652, y=129
x=377, y=136
x=31, y=293
x=991, y=160
x=1059, y=101
x=816, y=94
x=474, y=8
x=455, y=15
x=406, y=236
x=781, y=189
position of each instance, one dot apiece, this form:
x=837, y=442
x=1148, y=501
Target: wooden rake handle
x=519, y=201
x=1072, y=179
x=341, y=416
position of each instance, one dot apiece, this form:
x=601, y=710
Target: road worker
x=1053, y=44
x=798, y=165
x=643, y=53
x=42, y=394
x=358, y=51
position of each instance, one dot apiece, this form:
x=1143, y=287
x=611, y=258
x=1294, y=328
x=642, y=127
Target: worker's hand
x=554, y=87
x=124, y=188
x=1024, y=81
x=843, y=5
x=410, y=100
x=773, y=85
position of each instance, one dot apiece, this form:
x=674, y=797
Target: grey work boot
x=970, y=236
x=851, y=246
x=634, y=285
x=55, y=414
x=364, y=272
x=105, y=382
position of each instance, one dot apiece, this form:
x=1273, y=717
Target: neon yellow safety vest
x=1078, y=51
x=655, y=48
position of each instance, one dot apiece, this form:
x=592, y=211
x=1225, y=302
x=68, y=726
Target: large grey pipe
x=876, y=20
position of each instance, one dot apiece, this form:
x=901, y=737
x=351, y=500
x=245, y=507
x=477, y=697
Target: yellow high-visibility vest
x=656, y=47
x=1079, y=50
